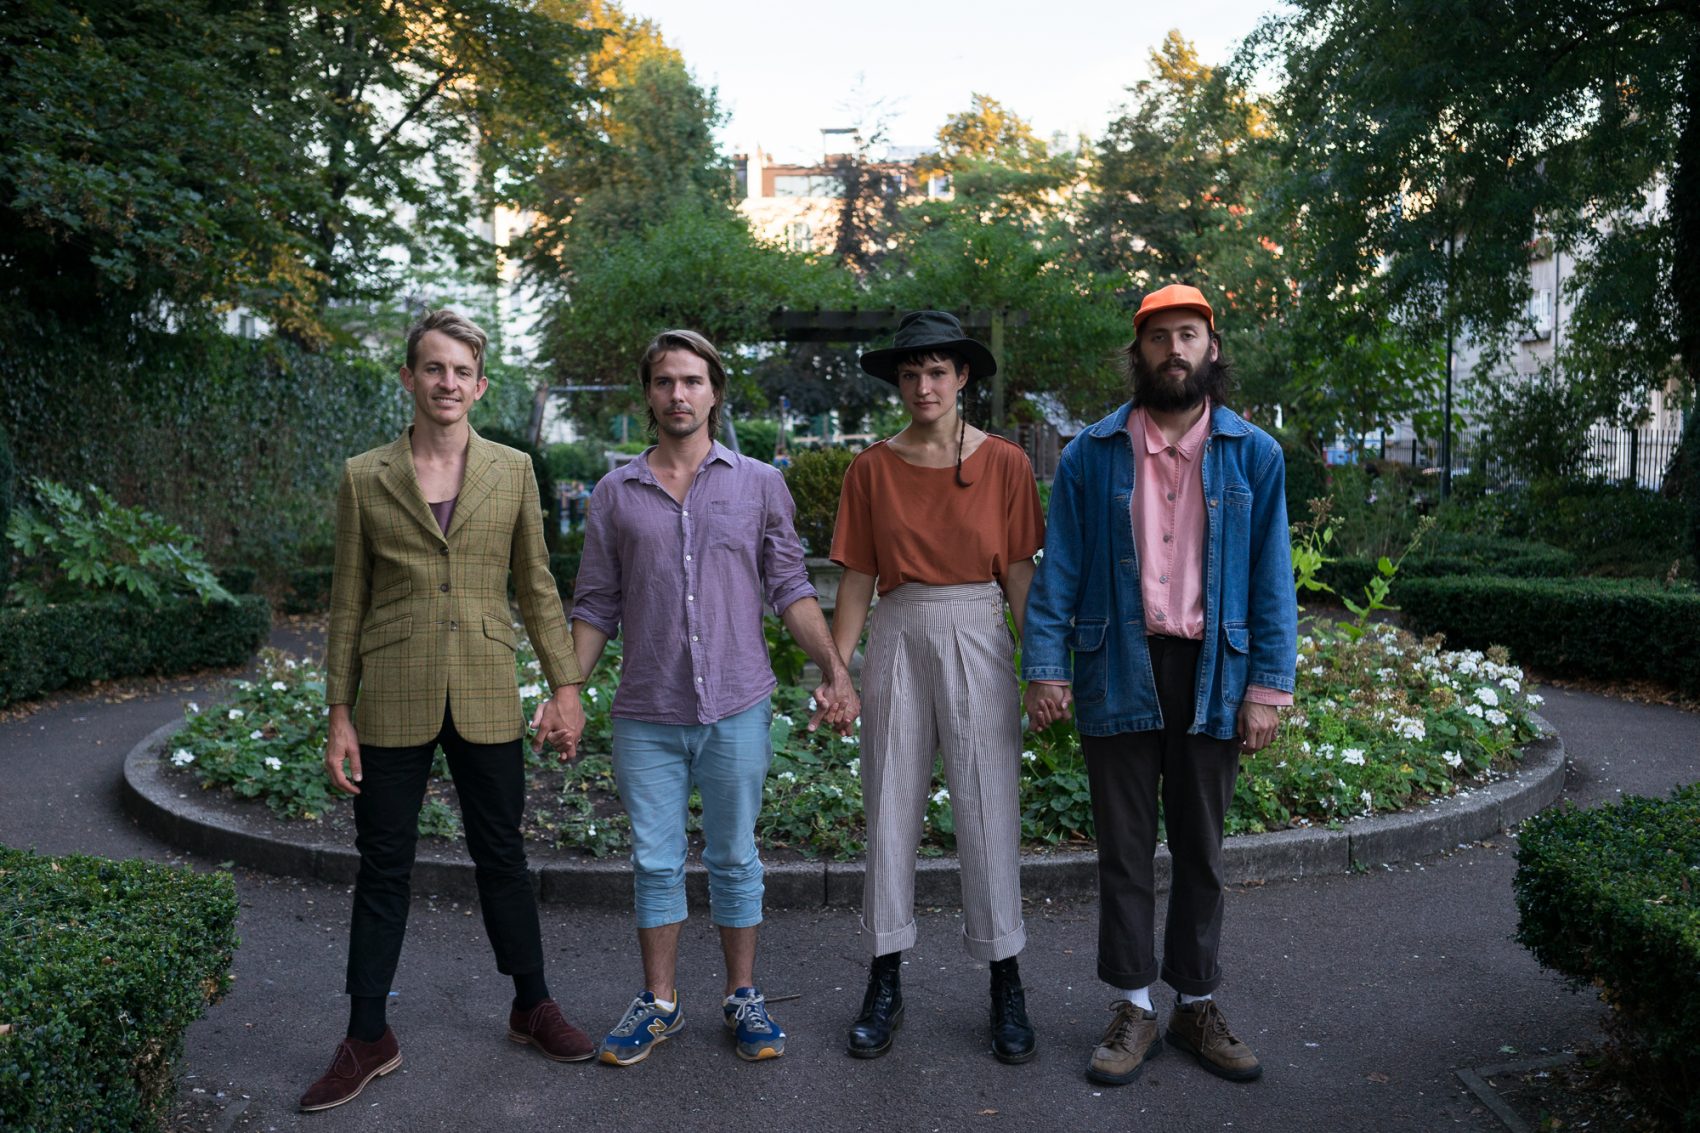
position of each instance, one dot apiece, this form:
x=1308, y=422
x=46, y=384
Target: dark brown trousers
x=1195, y=774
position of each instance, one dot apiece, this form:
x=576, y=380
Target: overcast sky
x=785, y=70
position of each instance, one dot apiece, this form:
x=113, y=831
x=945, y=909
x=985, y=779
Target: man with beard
x=682, y=547
x=1163, y=619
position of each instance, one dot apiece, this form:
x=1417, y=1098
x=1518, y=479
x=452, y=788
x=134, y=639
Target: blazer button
x=444, y=588
x=442, y=550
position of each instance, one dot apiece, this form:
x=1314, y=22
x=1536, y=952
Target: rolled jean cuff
x=659, y=908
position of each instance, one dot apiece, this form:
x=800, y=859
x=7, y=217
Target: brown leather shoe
x=354, y=1064
x=1202, y=1029
x=1126, y=1047
x=546, y=1029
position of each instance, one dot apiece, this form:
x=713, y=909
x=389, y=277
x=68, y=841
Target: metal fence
x=1641, y=456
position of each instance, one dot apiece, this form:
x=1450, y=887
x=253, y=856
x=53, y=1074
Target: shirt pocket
x=735, y=525
x=1091, y=660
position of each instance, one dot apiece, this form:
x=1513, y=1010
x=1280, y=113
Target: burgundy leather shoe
x=354, y=1064
x=545, y=1028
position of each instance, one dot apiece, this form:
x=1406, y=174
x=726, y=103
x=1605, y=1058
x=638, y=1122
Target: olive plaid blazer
x=420, y=617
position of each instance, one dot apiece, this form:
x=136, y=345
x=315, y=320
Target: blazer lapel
x=399, y=478
x=477, y=482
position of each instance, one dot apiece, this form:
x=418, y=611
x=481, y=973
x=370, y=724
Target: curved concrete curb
x=180, y=819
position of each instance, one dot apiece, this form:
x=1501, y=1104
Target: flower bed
x=1380, y=722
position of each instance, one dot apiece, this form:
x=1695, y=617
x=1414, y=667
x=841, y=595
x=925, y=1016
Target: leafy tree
x=986, y=131
x=1429, y=142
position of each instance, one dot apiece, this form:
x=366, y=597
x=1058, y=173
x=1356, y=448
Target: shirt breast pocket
x=735, y=525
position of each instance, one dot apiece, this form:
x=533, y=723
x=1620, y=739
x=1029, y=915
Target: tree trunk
x=1685, y=220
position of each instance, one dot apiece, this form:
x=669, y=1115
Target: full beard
x=1153, y=390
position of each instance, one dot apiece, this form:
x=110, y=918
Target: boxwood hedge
x=103, y=966
x=1611, y=896
x=49, y=647
x=1594, y=627
x=1446, y=553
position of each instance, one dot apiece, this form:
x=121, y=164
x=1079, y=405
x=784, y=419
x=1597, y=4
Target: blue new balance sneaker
x=758, y=1035
x=644, y=1025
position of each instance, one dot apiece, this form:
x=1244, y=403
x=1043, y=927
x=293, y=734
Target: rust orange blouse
x=902, y=523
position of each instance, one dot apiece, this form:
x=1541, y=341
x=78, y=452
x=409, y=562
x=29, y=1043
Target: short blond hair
x=452, y=323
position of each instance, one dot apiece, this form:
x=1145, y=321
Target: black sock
x=366, y=1017
x=529, y=990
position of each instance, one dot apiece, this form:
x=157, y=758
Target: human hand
x=342, y=746
x=1257, y=724
x=1046, y=704
x=836, y=703
x=559, y=722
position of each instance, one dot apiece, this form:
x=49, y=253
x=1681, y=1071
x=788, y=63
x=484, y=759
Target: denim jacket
x=1085, y=604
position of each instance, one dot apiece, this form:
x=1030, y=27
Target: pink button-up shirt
x=1169, y=532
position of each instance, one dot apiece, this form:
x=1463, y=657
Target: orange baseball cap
x=1176, y=295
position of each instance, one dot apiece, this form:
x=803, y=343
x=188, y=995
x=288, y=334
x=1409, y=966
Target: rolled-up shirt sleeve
x=784, y=577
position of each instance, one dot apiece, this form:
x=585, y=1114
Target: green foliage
x=1687, y=487
x=578, y=460
x=8, y=482
x=239, y=442
x=103, y=967
x=53, y=647
x=1613, y=529
x=816, y=479
x=307, y=590
x=1307, y=475
x=758, y=438
x=73, y=551
x=564, y=566
x=1538, y=428
x=1609, y=628
x=1453, y=553
x=1609, y=898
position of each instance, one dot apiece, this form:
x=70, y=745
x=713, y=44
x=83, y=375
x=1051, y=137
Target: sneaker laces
x=1121, y=1028
x=753, y=1011
x=634, y=1015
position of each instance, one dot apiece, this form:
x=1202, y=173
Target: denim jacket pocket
x=1091, y=664
x=1236, y=658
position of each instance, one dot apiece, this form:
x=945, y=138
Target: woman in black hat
x=945, y=520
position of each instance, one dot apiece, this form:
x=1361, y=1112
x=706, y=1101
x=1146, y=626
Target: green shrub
x=564, y=566
x=1594, y=627
x=816, y=478
x=71, y=551
x=238, y=579
x=758, y=438
x=1611, y=897
x=1307, y=476
x=1685, y=481
x=1375, y=508
x=51, y=647
x=1617, y=530
x=578, y=460
x=103, y=966
x=1444, y=553
x=8, y=484
x=307, y=590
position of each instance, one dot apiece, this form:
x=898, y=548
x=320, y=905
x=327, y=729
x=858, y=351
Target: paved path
x=1362, y=993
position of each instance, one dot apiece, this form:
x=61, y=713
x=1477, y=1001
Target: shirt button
x=694, y=637
x=687, y=558
x=699, y=680
x=1171, y=495
x=444, y=588
x=687, y=514
x=690, y=597
x=442, y=550
x=1212, y=503
x=1164, y=580
x=1168, y=538
x=1159, y=615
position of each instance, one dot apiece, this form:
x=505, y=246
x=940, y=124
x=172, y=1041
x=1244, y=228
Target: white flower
x=1317, y=670
x=530, y=691
x=279, y=686
x=1385, y=674
x=848, y=740
x=1474, y=710
x=194, y=709
x=273, y=763
x=1452, y=758
x=590, y=831
x=1496, y=717
x=812, y=705
x=1509, y=684
x=1487, y=696
x=1304, y=746
x=1326, y=751
x=783, y=719
x=1029, y=757
x=182, y=757
x=854, y=766
x=256, y=734
x=1353, y=756
x=1298, y=720
x=592, y=693
x=786, y=777
x=236, y=714
x=1280, y=765
x=941, y=796
x=1369, y=799
x=245, y=685
x=1410, y=728
x=1533, y=699
x=289, y=662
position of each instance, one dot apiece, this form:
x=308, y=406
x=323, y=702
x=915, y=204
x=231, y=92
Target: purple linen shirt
x=686, y=582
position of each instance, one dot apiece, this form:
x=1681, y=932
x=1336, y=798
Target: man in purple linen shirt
x=682, y=548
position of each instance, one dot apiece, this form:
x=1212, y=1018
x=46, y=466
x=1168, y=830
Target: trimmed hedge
x=50, y=647
x=1454, y=553
x=1611, y=896
x=103, y=966
x=564, y=566
x=8, y=485
x=307, y=590
x=1594, y=627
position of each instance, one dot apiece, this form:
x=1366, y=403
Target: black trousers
x=490, y=779
x=1196, y=776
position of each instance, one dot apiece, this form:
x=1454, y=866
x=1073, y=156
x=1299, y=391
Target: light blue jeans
x=655, y=766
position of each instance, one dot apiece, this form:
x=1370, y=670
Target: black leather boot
x=1012, y=1034
x=882, y=1009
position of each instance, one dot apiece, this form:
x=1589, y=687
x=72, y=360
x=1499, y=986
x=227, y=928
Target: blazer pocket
x=500, y=629
x=386, y=633
x=392, y=592
x=1091, y=666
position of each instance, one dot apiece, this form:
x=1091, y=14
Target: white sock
x=1187, y=1000
x=667, y=1004
x=1140, y=997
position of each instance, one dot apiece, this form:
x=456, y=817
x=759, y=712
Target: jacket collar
x=402, y=481
x=1224, y=422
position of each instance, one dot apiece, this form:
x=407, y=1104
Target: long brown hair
x=689, y=340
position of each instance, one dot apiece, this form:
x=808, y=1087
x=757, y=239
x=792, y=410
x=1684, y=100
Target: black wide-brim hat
x=924, y=331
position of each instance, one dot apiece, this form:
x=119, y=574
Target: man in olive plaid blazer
x=421, y=654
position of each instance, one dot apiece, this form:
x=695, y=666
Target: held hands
x=836, y=703
x=1257, y=725
x=559, y=722
x=1046, y=704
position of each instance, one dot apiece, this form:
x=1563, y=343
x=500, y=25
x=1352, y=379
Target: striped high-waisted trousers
x=939, y=676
